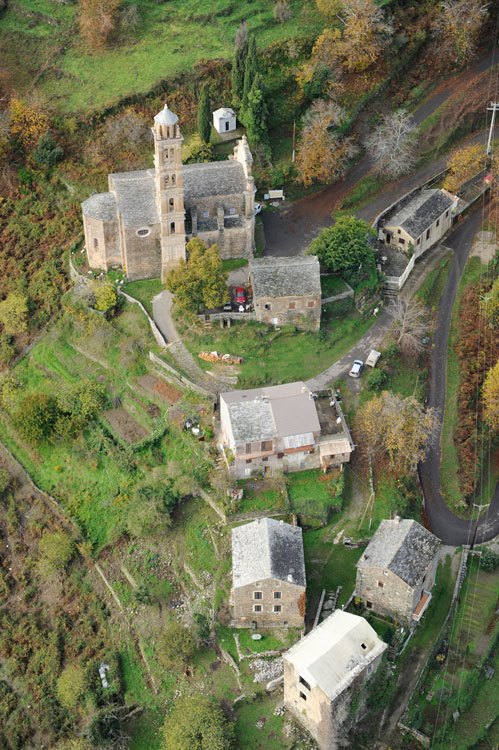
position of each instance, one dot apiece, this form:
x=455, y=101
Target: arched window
x=174, y=179
x=167, y=181
x=171, y=202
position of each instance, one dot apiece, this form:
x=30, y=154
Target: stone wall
x=303, y=312
x=393, y=598
x=101, y=241
x=142, y=255
x=244, y=603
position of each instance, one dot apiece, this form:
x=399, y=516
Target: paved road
x=448, y=527
x=289, y=231
x=161, y=312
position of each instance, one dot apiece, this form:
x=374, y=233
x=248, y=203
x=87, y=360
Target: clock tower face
x=169, y=189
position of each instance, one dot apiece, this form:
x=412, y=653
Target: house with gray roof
x=396, y=572
x=268, y=575
x=282, y=427
x=287, y=291
x=323, y=670
x=419, y=220
x=145, y=219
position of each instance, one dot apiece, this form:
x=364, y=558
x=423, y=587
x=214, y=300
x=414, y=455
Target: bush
x=36, y=417
x=175, y=646
x=48, y=152
x=71, y=686
x=56, y=550
x=490, y=560
x=377, y=380
x=282, y=11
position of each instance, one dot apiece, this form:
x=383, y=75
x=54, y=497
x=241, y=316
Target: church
x=143, y=223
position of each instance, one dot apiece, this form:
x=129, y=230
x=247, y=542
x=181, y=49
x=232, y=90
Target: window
x=257, y=594
x=304, y=682
x=96, y=242
x=277, y=583
x=174, y=179
x=265, y=458
x=266, y=445
x=248, y=460
x=401, y=241
x=143, y=232
x=167, y=181
x=363, y=646
x=277, y=607
x=268, y=306
x=280, y=455
x=171, y=204
x=292, y=305
x=206, y=214
x=438, y=222
x=311, y=303
x=172, y=227
x=399, y=231
x=380, y=584
x=369, y=605
x=277, y=594
x=303, y=696
x=247, y=472
x=232, y=211
x=446, y=214
x=257, y=608
x=428, y=233
x=248, y=447
x=419, y=240
x=385, y=572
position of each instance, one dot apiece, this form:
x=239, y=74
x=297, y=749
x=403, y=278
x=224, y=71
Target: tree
x=71, y=686
x=250, y=72
x=344, y=247
x=490, y=394
x=464, y=164
x=77, y=405
x=391, y=144
x=282, y=11
x=14, y=313
x=457, y=28
x=36, y=417
x=489, y=560
x=175, y=645
x=105, y=295
x=256, y=113
x=396, y=426
x=410, y=324
x=48, y=152
x=195, y=150
x=198, y=283
x=322, y=154
x=149, y=512
x=197, y=723
x=321, y=75
x=10, y=390
x=204, y=114
x=240, y=51
x=98, y=20
x=365, y=35
x=27, y=124
x=330, y=10
x=56, y=549
x=490, y=305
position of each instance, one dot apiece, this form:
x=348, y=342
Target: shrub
x=377, y=380
x=56, y=550
x=490, y=560
x=282, y=11
x=71, y=686
x=48, y=152
x=36, y=417
x=175, y=646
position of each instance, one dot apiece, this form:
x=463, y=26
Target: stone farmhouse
x=420, y=220
x=321, y=670
x=396, y=573
x=268, y=575
x=145, y=219
x=282, y=427
x=287, y=291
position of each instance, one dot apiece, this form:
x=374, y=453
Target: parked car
x=357, y=368
x=227, y=307
x=258, y=208
x=240, y=296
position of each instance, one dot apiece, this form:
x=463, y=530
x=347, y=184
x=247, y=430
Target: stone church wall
x=142, y=254
x=101, y=243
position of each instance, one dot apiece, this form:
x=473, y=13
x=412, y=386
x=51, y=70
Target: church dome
x=166, y=117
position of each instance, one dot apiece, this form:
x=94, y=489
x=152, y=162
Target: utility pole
x=480, y=508
x=294, y=133
x=494, y=107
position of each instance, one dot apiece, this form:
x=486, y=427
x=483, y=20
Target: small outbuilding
x=287, y=291
x=268, y=575
x=224, y=120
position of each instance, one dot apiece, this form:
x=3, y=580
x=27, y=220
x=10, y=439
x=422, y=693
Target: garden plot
x=125, y=425
x=160, y=388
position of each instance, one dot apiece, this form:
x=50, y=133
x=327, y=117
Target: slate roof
x=420, y=212
x=166, y=116
x=267, y=549
x=224, y=112
x=402, y=546
x=331, y=656
x=136, y=197
x=100, y=206
x=270, y=412
x=286, y=277
x=214, y=178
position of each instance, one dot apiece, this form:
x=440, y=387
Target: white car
x=357, y=368
x=258, y=208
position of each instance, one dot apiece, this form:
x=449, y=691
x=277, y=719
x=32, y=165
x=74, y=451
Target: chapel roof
x=420, y=212
x=100, y=206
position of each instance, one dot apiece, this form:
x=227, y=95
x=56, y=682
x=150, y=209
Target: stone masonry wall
x=101, y=243
x=142, y=254
x=280, y=313
x=244, y=603
x=394, y=598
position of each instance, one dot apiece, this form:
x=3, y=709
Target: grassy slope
x=168, y=41
x=449, y=467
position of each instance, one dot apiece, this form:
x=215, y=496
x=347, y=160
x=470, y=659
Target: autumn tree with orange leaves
x=463, y=165
x=365, y=35
x=490, y=395
x=322, y=153
x=457, y=27
x=27, y=124
x=98, y=21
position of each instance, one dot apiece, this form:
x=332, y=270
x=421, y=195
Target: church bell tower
x=169, y=190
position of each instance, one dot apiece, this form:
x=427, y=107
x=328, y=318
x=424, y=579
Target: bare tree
x=126, y=128
x=391, y=145
x=409, y=324
x=241, y=40
x=282, y=11
x=457, y=28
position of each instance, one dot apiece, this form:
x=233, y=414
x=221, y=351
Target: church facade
x=145, y=219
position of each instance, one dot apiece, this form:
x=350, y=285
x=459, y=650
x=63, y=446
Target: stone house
x=224, y=120
x=268, y=575
x=419, y=221
x=287, y=291
x=282, y=427
x=397, y=570
x=145, y=219
x=322, y=671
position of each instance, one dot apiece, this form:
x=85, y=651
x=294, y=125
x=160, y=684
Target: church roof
x=100, y=206
x=166, y=116
x=214, y=178
x=136, y=197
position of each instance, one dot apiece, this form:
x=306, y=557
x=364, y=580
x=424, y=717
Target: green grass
x=431, y=289
x=477, y=604
x=331, y=285
x=257, y=495
x=434, y=617
x=144, y=291
x=328, y=565
x=449, y=466
x=268, y=737
x=311, y=497
x=168, y=41
x=232, y=264
x=470, y=727
x=284, y=356
x=365, y=189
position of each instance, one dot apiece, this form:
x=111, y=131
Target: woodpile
x=227, y=359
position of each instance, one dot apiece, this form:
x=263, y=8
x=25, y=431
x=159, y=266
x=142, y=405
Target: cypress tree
x=204, y=115
x=240, y=52
x=250, y=70
x=256, y=113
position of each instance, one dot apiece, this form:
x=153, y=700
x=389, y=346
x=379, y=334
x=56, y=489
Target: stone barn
x=321, y=671
x=396, y=572
x=268, y=575
x=287, y=291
